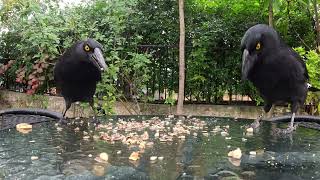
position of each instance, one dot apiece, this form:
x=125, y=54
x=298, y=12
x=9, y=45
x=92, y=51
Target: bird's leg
x=271, y=111
x=68, y=105
x=63, y=119
x=95, y=119
x=291, y=127
x=256, y=122
x=294, y=110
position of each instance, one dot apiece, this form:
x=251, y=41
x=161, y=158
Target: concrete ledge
x=9, y=99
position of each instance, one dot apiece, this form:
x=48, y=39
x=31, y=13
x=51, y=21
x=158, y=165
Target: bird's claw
x=255, y=124
x=289, y=130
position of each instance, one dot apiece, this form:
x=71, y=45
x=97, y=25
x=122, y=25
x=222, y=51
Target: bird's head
x=257, y=42
x=92, y=50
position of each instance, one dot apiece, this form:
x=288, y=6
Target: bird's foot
x=289, y=130
x=255, y=124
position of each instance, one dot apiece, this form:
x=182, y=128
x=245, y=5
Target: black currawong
x=78, y=71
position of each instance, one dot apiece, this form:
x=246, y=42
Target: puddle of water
x=65, y=154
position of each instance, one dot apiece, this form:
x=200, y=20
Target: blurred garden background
x=141, y=45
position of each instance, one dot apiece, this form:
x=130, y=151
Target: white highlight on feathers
x=309, y=85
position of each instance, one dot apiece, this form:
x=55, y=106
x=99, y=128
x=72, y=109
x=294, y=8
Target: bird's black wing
x=301, y=61
x=290, y=66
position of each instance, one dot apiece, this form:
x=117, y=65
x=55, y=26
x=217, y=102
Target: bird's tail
x=311, y=88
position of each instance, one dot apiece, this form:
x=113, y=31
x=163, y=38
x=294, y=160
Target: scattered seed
x=34, y=158
x=223, y=133
x=153, y=158
x=134, y=156
x=250, y=130
x=253, y=153
x=104, y=156
x=235, y=153
x=86, y=137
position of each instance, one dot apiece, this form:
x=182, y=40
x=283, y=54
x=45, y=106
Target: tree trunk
x=181, y=59
x=270, y=13
x=315, y=6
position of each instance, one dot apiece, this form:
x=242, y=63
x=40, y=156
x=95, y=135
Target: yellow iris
x=86, y=48
x=258, y=46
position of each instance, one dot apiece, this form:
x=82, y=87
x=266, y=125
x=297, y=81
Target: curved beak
x=98, y=59
x=247, y=64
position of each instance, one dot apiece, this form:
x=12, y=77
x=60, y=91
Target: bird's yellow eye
x=258, y=46
x=86, y=48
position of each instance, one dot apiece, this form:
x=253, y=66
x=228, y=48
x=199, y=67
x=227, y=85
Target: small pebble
x=228, y=138
x=90, y=155
x=32, y=141
x=253, y=153
x=160, y=158
x=119, y=152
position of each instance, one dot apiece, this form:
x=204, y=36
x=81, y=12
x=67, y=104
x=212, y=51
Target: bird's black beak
x=247, y=63
x=98, y=59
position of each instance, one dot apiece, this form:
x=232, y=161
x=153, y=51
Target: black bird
x=78, y=71
x=276, y=70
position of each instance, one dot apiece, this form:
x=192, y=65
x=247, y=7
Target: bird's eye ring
x=86, y=48
x=258, y=46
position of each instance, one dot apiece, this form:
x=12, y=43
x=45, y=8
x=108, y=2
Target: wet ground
x=191, y=149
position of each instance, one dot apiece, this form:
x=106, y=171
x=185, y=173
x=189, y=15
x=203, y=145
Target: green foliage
x=41, y=31
x=170, y=100
x=313, y=65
